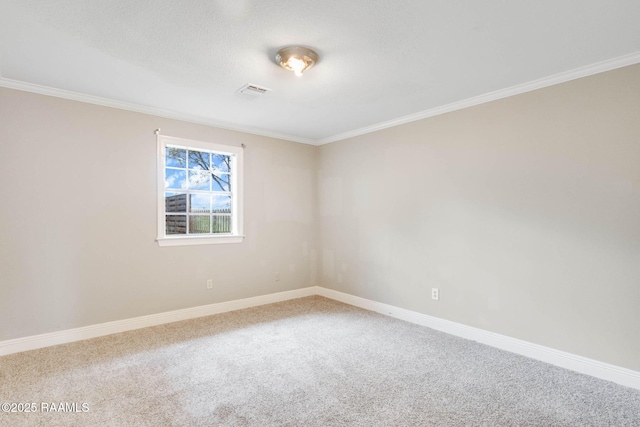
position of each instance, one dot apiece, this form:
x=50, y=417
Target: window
x=199, y=192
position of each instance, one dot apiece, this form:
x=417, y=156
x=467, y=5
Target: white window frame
x=236, y=154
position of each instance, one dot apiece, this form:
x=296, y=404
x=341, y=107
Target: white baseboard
x=605, y=371
x=583, y=365
x=77, y=334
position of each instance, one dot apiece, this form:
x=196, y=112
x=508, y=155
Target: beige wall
x=78, y=218
x=524, y=212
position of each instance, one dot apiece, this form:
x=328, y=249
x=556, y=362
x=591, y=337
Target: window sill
x=197, y=240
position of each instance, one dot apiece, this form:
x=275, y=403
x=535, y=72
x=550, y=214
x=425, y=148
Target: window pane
x=221, y=223
x=220, y=162
x=220, y=182
x=199, y=224
x=199, y=160
x=199, y=199
x=221, y=204
x=176, y=157
x=176, y=224
x=175, y=202
x=199, y=203
x=199, y=180
x=175, y=178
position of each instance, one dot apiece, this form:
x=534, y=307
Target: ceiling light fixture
x=296, y=58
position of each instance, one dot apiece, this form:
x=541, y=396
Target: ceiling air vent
x=253, y=90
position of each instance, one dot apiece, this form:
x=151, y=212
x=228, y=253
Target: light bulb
x=297, y=65
x=296, y=58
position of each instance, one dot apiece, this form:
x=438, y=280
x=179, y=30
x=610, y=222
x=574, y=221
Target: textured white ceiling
x=380, y=60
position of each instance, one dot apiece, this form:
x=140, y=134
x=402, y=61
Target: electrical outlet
x=435, y=294
x=277, y=276
x=209, y=283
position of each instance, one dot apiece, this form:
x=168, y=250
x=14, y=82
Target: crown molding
x=599, y=67
x=122, y=105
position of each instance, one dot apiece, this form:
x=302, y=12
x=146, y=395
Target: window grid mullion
x=228, y=177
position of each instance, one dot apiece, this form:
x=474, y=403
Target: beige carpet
x=306, y=362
